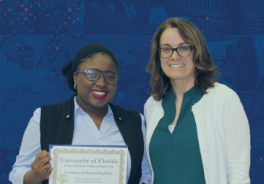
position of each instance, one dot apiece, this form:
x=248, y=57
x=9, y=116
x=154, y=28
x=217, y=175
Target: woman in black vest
x=87, y=118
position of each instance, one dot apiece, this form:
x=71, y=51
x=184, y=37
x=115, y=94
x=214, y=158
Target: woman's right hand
x=41, y=167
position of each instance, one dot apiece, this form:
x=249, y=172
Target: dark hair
x=205, y=69
x=85, y=52
x=90, y=56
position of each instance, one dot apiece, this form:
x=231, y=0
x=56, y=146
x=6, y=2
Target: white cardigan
x=223, y=134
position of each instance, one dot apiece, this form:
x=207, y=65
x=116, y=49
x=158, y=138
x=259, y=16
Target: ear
x=75, y=77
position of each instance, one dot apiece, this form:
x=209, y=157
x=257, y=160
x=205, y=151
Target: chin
x=177, y=77
x=99, y=105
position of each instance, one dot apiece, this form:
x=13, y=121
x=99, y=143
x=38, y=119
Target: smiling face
x=177, y=68
x=92, y=95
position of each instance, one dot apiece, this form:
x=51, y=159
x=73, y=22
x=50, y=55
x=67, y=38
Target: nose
x=101, y=81
x=175, y=55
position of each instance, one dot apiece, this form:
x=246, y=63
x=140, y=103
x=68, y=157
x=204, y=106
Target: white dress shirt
x=85, y=133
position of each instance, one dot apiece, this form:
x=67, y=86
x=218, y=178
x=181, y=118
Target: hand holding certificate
x=88, y=164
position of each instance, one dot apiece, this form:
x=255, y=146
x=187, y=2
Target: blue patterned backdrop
x=52, y=31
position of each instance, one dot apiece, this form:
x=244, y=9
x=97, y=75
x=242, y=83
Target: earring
x=116, y=94
x=75, y=86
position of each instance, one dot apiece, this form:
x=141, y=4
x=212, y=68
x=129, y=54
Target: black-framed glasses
x=183, y=51
x=93, y=74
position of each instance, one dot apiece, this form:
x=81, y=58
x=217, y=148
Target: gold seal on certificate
x=88, y=164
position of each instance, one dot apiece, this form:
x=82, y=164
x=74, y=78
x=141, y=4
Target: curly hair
x=206, y=73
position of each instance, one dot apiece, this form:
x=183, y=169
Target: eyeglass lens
x=109, y=77
x=183, y=51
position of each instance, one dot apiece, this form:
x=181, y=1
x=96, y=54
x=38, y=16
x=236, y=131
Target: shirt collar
x=168, y=103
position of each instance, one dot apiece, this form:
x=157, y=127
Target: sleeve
x=237, y=137
x=146, y=172
x=30, y=146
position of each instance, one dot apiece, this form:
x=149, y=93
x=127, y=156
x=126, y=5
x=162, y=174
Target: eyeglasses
x=94, y=74
x=183, y=51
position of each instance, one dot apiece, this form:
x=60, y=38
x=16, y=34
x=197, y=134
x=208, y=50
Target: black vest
x=57, y=126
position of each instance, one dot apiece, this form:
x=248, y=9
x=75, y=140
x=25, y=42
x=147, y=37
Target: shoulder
x=120, y=110
x=51, y=106
x=59, y=105
x=222, y=95
x=36, y=115
x=151, y=106
x=151, y=102
x=125, y=114
x=58, y=111
x=220, y=91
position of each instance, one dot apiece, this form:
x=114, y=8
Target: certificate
x=88, y=164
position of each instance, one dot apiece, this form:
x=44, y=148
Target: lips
x=177, y=65
x=99, y=94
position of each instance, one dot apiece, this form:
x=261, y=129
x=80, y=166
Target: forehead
x=101, y=62
x=171, y=36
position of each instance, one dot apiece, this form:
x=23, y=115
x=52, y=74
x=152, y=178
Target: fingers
x=41, y=166
x=46, y=171
x=41, y=159
x=42, y=154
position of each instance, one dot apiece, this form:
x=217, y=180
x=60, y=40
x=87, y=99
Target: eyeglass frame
x=101, y=72
x=176, y=49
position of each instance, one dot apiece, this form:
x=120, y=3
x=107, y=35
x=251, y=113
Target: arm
x=41, y=169
x=26, y=166
x=237, y=137
x=146, y=172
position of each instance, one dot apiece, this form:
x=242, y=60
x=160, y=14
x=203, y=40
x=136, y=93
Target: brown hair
x=205, y=70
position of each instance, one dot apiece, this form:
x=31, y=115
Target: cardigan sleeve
x=237, y=138
x=146, y=172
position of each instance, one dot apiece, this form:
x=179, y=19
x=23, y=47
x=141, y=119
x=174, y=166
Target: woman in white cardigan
x=197, y=129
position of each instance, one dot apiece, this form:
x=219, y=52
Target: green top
x=175, y=157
